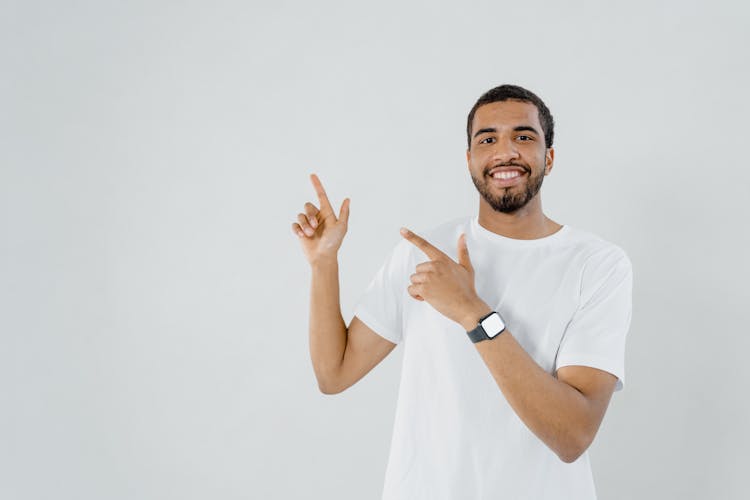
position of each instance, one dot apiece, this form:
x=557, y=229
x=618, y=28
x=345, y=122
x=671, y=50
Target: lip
x=508, y=182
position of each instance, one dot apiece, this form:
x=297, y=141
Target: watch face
x=493, y=325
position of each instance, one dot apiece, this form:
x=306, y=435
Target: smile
x=506, y=179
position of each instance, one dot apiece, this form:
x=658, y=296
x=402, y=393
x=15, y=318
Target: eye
x=480, y=142
x=527, y=137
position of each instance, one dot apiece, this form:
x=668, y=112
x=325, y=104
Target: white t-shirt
x=566, y=298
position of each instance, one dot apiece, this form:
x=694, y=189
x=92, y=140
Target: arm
x=565, y=413
x=328, y=331
x=340, y=355
x=320, y=233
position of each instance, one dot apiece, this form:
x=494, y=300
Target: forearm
x=327, y=328
x=554, y=411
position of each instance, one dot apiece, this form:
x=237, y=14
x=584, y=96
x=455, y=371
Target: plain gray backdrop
x=153, y=156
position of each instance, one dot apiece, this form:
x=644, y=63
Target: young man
x=513, y=326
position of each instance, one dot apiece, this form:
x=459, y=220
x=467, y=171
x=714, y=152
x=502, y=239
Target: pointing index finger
x=430, y=250
x=321, y=193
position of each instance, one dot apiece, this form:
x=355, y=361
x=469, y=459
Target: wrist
x=324, y=262
x=477, y=310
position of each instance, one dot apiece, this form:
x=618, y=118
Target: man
x=513, y=326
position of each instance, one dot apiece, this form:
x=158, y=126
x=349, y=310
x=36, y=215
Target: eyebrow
x=519, y=128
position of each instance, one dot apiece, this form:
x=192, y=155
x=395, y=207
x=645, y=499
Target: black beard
x=508, y=202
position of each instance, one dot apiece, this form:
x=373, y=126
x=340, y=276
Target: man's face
x=506, y=139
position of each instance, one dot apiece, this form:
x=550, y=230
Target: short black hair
x=514, y=92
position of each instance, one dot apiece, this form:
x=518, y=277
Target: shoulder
x=605, y=264
x=595, y=250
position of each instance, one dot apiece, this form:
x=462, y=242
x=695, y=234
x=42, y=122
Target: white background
x=153, y=156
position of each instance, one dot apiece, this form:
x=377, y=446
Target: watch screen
x=493, y=325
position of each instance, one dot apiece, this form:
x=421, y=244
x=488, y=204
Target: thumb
x=344, y=211
x=463, y=253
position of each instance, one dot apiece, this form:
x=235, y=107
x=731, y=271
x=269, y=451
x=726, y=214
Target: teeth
x=506, y=175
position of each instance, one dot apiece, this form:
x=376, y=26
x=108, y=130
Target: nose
x=504, y=151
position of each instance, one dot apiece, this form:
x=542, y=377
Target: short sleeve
x=596, y=334
x=381, y=304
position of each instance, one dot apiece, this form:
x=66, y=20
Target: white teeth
x=506, y=175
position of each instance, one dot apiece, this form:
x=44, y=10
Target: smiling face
x=508, y=158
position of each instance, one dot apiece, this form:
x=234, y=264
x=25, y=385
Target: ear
x=468, y=158
x=549, y=160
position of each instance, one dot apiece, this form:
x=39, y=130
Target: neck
x=527, y=223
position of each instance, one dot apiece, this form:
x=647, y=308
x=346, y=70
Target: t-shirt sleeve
x=595, y=336
x=380, y=306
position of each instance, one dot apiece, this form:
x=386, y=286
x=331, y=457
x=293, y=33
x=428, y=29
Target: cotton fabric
x=566, y=298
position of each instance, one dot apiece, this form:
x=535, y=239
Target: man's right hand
x=319, y=231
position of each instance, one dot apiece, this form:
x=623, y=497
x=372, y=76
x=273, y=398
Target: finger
x=426, y=267
x=414, y=291
x=463, y=253
x=344, y=211
x=312, y=214
x=431, y=251
x=417, y=278
x=325, y=205
x=305, y=225
x=297, y=229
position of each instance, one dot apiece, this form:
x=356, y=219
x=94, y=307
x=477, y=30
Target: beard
x=509, y=199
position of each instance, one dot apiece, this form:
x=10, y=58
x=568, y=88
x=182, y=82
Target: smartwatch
x=489, y=327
